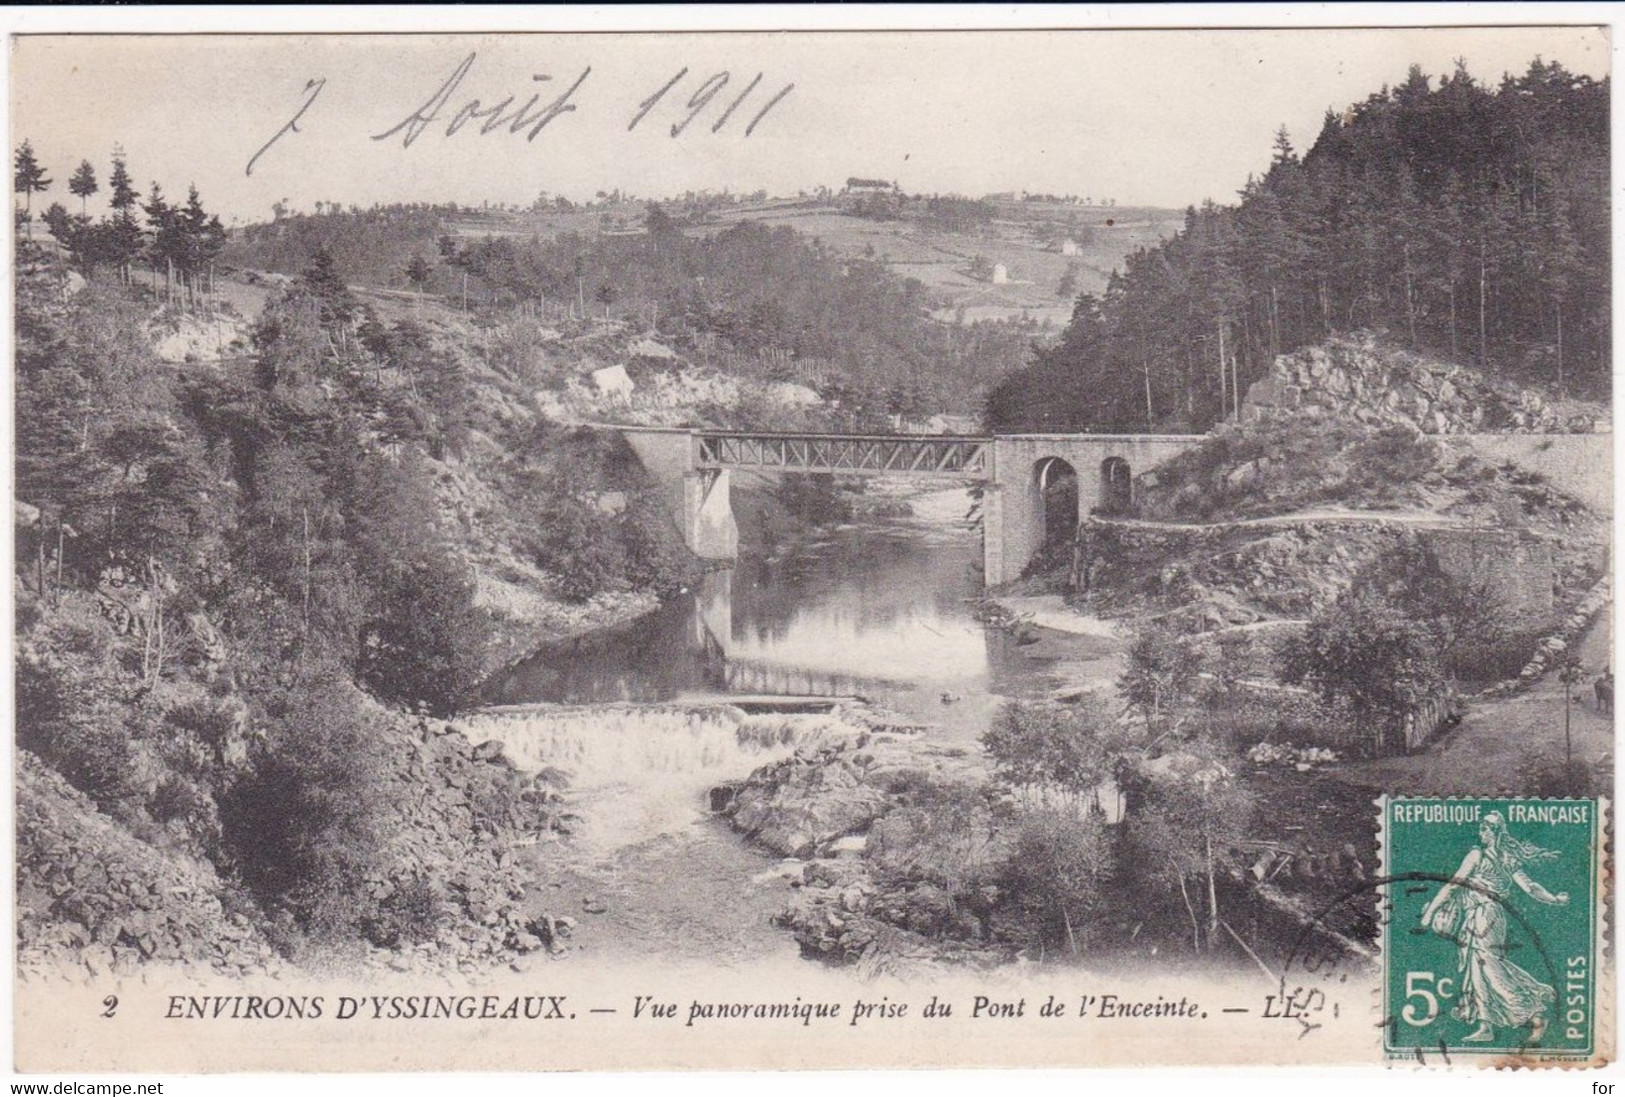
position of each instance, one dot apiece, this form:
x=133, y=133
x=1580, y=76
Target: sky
x=1165, y=117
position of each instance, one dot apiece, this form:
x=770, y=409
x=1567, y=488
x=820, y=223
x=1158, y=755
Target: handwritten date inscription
x=448, y=111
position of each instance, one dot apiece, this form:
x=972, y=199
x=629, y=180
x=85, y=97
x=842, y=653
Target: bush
x=423, y=646
x=948, y=837
x=305, y=826
x=1365, y=652
x=1039, y=745
x=1056, y=878
x=579, y=546
x=411, y=914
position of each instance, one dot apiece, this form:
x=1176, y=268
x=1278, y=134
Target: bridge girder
x=940, y=456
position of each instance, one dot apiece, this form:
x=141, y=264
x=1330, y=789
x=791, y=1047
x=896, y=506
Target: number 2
x=109, y=1005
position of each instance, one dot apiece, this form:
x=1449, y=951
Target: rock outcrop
x=1357, y=377
x=850, y=906
x=93, y=896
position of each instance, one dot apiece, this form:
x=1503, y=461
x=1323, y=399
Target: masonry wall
x=1013, y=515
x=697, y=501
x=1520, y=569
x=1581, y=465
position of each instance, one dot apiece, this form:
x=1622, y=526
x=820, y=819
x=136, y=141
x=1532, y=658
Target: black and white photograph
x=792, y=548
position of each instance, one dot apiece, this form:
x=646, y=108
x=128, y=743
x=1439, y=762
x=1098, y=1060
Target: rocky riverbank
x=842, y=816
x=448, y=894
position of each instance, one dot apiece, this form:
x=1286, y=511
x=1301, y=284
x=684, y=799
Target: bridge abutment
x=697, y=499
x=711, y=531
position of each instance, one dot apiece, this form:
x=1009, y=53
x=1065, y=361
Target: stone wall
x=1578, y=465
x=1518, y=567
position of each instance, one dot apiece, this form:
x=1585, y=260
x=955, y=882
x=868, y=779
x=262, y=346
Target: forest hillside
x=1465, y=221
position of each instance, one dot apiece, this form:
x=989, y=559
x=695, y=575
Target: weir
x=1036, y=487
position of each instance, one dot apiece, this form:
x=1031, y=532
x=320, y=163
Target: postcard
x=812, y=549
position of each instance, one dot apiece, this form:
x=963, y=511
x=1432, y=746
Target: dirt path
x=1501, y=745
x=1424, y=519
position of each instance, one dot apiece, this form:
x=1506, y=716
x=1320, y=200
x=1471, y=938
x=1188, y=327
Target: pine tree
x=59, y=223
x=123, y=189
x=1471, y=222
x=83, y=184
x=199, y=239
x=160, y=234
x=338, y=306
x=28, y=179
x=418, y=271
x=122, y=237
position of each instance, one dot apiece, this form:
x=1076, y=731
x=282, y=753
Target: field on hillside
x=1023, y=237
x=943, y=261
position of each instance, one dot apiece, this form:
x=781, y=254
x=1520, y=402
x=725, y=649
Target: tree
x=1068, y=286
x=121, y=242
x=199, y=239
x=1365, y=652
x=418, y=272
x=59, y=223
x=321, y=278
x=1571, y=672
x=1159, y=678
x=28, y=179
x=1469, y=220
x=1042, y=748
x=83, y=184
x=160, y=235
x=1185, y=825
x=123, y=195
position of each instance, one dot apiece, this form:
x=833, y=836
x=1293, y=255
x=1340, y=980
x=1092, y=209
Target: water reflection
x=881, y=609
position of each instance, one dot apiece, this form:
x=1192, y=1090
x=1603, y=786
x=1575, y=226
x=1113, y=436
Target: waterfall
x=640, y=771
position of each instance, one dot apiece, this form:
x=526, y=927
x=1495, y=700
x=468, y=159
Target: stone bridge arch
x=1017, y=514
x=1057, y=494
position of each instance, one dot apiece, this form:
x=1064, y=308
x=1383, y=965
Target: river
x=878, y=608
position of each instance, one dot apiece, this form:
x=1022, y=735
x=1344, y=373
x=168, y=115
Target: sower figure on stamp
x=1469, y=910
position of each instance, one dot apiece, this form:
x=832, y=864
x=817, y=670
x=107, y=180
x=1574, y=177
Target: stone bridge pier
x=697, y=498
x=1043, y=485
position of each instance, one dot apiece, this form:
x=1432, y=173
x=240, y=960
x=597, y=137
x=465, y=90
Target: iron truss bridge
x=960, y=457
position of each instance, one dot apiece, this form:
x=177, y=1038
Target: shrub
x=424, y=642
x=411, y=914
x=948, y=837
x=1056, y=878
x=1039, y=745
x=579, y=547
x=305, y=825
x=1366, y=652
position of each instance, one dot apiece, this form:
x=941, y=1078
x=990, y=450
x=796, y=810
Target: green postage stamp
x=1492, y=927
